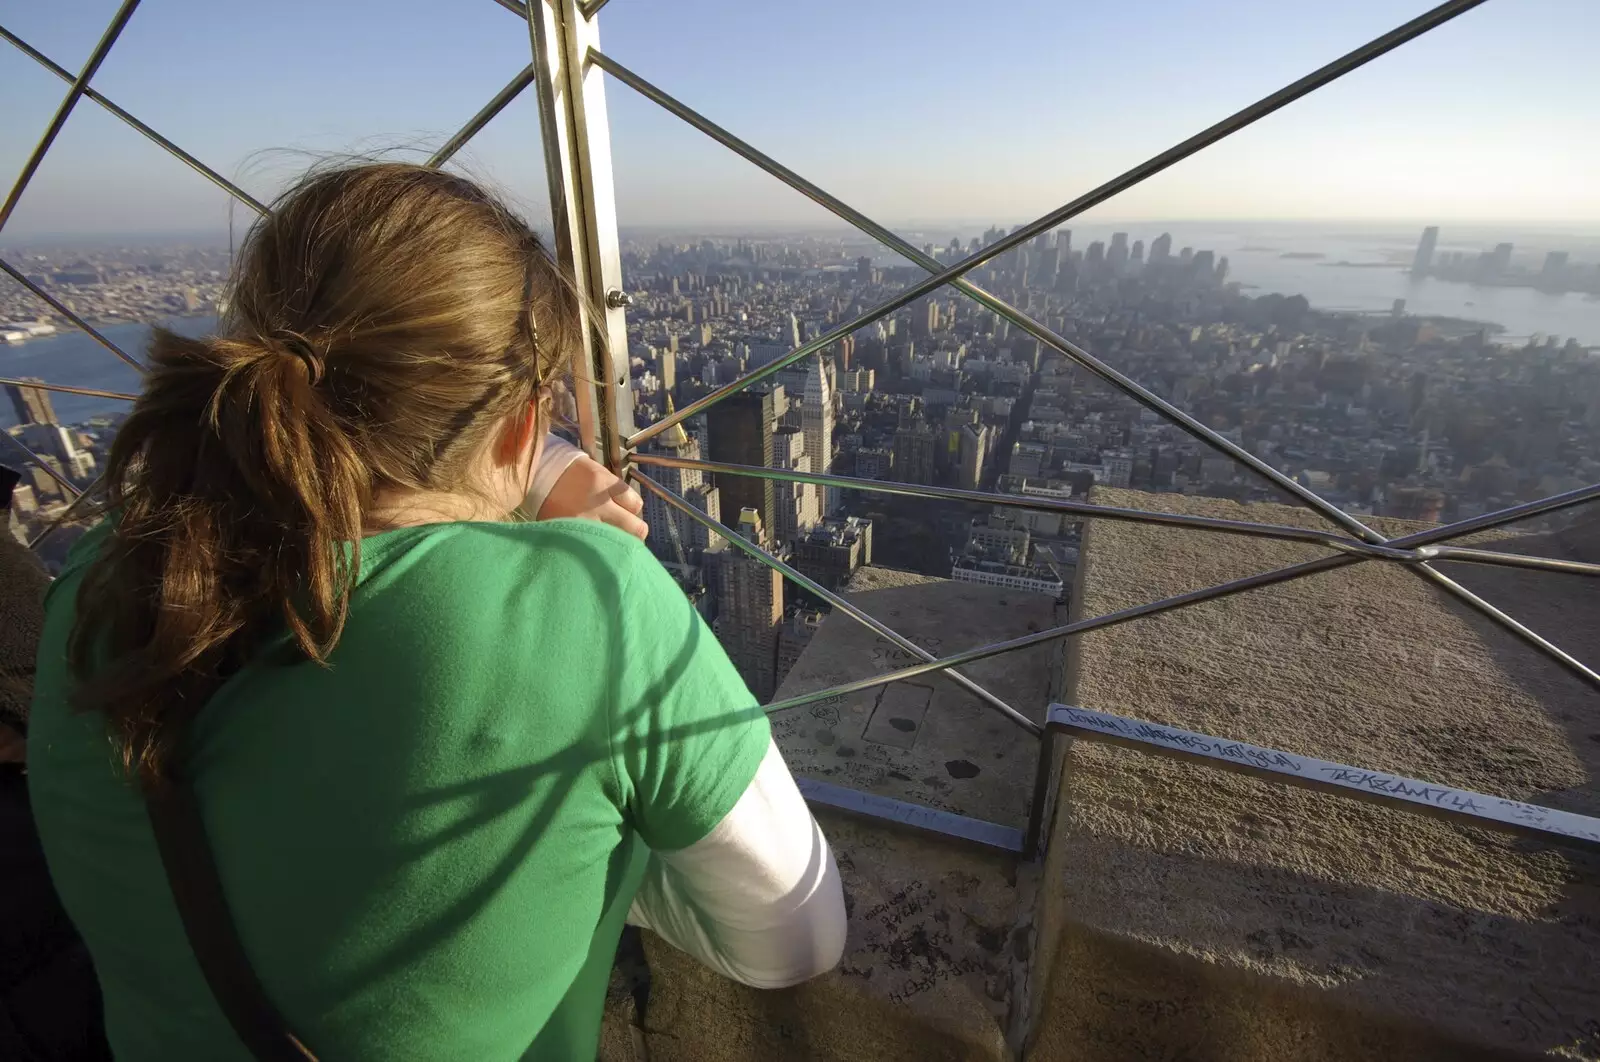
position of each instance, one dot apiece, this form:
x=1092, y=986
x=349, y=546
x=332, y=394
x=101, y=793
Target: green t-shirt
x=429, y=847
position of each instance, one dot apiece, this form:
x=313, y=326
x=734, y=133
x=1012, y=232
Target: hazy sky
x=914, y=110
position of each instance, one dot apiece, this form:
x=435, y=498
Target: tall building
x=668, y=371
x=832, y=551
x=864, y=271
x=1161, y=248
x=974, y=450
x=61, y=443
x=847, y=353
x=793, y=636
x=1117, y=256
x=670, y=530
x=913, y=455
x=816, y=417
x=1500, y=260
x=32, y=404
x=796, y=508
x=1425, y=247
x=740, y=429
x=749, y=599
x=791, y=335
x=925, y=319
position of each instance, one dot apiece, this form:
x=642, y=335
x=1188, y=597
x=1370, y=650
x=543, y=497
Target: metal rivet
x=617, y=299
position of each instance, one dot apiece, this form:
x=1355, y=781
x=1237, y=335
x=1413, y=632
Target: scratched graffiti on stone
x=1411, y=790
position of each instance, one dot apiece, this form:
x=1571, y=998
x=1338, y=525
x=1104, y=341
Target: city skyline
x=1497, y=94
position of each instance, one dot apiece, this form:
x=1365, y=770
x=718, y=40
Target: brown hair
x=382, y=321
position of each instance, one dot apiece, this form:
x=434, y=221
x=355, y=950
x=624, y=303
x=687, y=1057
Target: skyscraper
x=925, y=319
x=1424, y=257
x=670, y=530
x=669, y=370
x=749, y=599
x=1500, y=260
x=32, y=404
x=740, y=430
x=913, y=455
x=796, y=508
x=816, y=417
x=974, y=446
x=864, y=271
x=1161, y=248
x=1117, y=256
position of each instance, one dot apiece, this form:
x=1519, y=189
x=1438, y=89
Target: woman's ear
x=521, y=432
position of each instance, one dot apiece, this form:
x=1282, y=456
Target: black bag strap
x=207, y=922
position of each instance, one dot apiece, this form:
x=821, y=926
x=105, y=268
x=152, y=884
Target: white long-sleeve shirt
x=758, y=899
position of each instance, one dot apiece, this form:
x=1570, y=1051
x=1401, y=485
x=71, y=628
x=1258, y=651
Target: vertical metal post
x=577, y=151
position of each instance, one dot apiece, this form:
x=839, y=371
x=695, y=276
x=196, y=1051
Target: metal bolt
x=617, y=299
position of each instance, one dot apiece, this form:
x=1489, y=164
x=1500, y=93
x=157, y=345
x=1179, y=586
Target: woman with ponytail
x=334, y=756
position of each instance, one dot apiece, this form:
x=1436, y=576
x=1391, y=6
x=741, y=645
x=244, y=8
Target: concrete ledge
x=931, y=967
x=1309, y=905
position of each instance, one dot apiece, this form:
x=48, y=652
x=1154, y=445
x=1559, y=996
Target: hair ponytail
x=225, y=522
x=384, y=320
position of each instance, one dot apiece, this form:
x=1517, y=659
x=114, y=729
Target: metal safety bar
x=485, y=115
x=43, y=465
x=67, y=389
x=1461, y=806
x=150, y=134
x=991, y=835
x=70, y=314
x=69, y=512
x=681, y=504
x=101, y=49
x=1309, y=535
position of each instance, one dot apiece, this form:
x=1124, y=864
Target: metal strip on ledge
x=1409, y=794
x=946, y=823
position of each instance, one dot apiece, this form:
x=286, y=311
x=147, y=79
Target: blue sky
x=916, y=111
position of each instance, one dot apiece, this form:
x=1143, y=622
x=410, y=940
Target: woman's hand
x=590, y=491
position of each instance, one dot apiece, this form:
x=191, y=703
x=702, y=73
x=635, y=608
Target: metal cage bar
x=485, y=115
x=577, y=143
x=43, y=465
x=150, y=134
x=102, y=48
x=679, y=503
x=66, y=311
x=67, y=389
